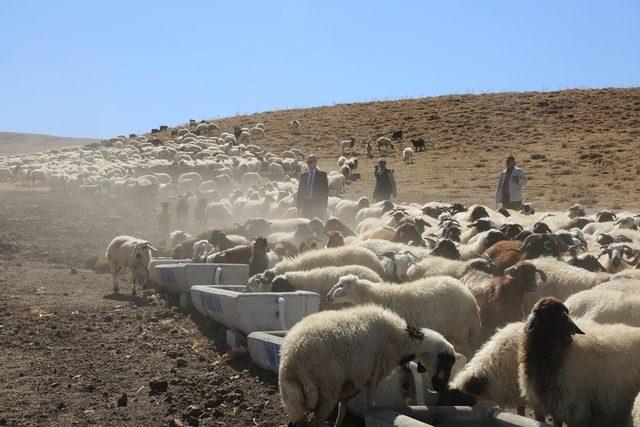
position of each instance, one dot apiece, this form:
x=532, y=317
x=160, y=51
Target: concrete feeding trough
x=447, y=416
x=179, y=278
x=264, y=349
x=155, y=278
x=255, y=311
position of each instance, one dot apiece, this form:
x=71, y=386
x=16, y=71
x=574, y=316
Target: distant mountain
x=12, y=143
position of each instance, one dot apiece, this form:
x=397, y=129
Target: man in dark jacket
x=385, y=187
x=313, y=191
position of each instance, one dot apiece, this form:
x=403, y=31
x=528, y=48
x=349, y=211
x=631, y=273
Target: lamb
x=491, y=375
x=254, y=255
x=440, y=303
x=501, y=298
x=336, y=257
x=567, y=373
x=563, y=280
x=604, y=305
x=407, y=156
x=326, y=359
x=320, y=280
x=128, y=252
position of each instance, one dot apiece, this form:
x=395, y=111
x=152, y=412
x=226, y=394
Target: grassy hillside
x=576, y=145
x=12, y=143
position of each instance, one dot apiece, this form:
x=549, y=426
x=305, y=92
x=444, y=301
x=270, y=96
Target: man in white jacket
x=510, y=183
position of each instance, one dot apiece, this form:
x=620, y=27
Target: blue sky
x=99, y=68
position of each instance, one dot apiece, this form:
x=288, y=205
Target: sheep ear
x=531, y=324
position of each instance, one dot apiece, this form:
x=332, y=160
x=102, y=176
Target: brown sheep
x=501, y=298
x=507, y=253
x=253, y=255
x=446, y=249
x=408, y=233
x=336, y=239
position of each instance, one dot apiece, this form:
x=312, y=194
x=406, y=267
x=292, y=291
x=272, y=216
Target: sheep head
x=340, y=292
x=550, y=321
x=524, y=274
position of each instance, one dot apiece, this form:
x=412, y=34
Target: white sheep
x=275, y=170
x=320, y=280
x=336, y=184
x=328, y=357
x=439, y=266
x=440, y=303
x=128, y=252
x=407, y=155
x=335, y=257
x=580, y=372
x=492, y=374
x=219, y=213
x=604, y=305
x=250, y=179
x=346, y=210
x=563, y=280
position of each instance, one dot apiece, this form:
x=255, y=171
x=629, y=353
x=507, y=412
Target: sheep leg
x=133, y=281
x=342, y=412
x=114, y=279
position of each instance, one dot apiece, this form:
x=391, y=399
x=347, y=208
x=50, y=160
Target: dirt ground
x=71, y=351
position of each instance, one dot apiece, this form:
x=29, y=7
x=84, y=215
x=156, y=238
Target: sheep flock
x=519, y=309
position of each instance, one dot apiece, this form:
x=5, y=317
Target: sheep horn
x=542, y=274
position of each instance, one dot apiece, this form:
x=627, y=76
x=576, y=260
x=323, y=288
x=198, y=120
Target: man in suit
x=313, y=191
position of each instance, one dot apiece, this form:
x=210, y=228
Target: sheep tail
x=293, y=398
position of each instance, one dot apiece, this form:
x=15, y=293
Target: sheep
x=219, y=213
x=501, y=298
x=254, y=255
x=576, y=211
x=336, y=239
x=407, y=156
x=440, y=303
x=275, y=170
x=418, y=144
x=491, y=375
x=200, y=250
x=345, y=171
x=336, y=257
x=220, y=240
x=439, y=266
x=250, y=179
x=605, y=305
x=384, y=142
x=336, y=184
x=294, y=126
x=326, y=359
x=320, y=280
x=346, y=210
x=563, y=280
x=128, y=252
x=587, y=262
x=347, y=145
x=506, y=253
x=616, y=253
x=6, y=174
x=566, y=367
x=374, y=211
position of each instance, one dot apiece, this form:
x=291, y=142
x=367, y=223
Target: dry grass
x=575, y=145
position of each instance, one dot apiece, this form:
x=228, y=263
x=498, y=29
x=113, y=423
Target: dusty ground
x=70, y=351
